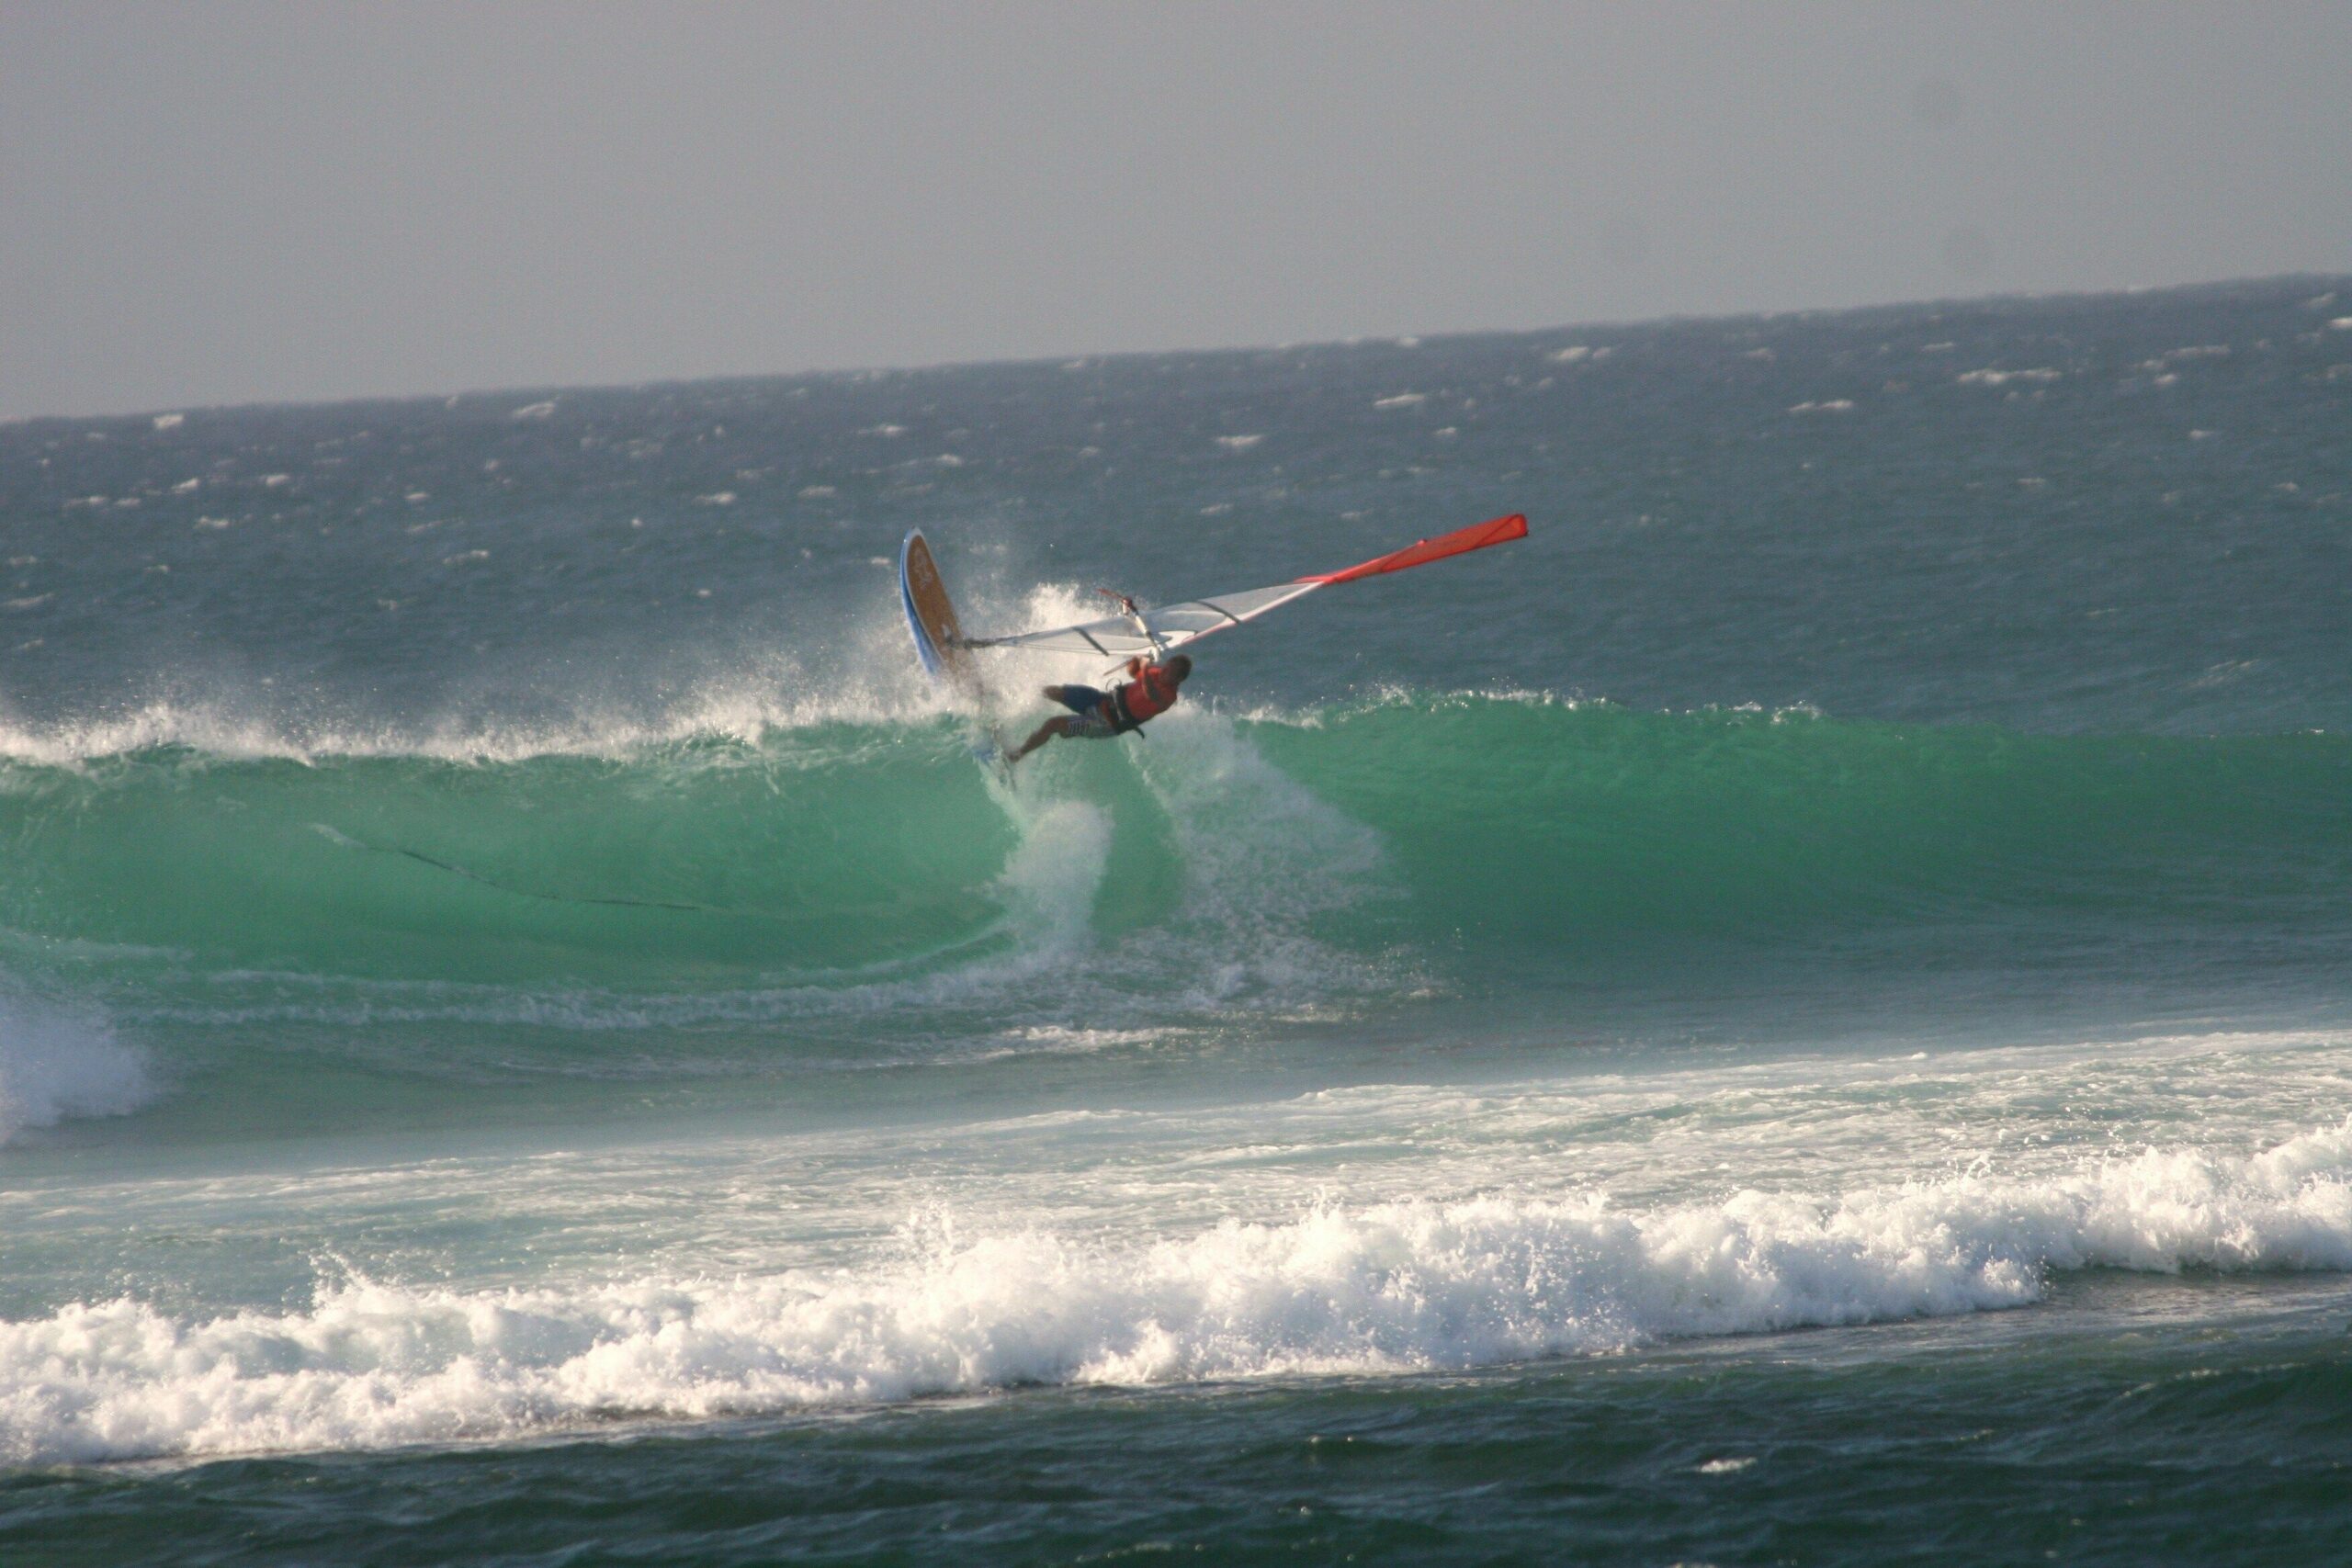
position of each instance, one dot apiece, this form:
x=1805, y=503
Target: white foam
x=872, y=679
x=963, y=1307
x=1401, y=401
x=1050, y=1039
x=57, y=1063
x=2002, y=378
x=1239, y=442
x=1829, y=405
x=169, y=421
x=535, y=410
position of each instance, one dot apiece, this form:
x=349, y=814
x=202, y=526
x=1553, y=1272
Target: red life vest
x=1147, y=698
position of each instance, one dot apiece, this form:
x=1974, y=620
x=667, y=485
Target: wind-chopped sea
x=1801, y=1014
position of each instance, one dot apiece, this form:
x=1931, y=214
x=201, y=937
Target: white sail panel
x=1169, y=626
x=1172, y=625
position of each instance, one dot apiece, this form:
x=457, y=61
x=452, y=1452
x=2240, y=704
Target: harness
x=1146, y=698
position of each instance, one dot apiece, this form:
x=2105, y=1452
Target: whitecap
x=2002, y=378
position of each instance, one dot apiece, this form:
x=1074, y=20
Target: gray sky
x=210, y=203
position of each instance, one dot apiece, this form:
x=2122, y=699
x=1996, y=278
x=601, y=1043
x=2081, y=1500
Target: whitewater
x=1824, y=969
x=993, y=1289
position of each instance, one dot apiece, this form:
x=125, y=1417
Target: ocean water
x=1801, y=1014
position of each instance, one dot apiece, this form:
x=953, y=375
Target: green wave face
x=1530, y=825
x=679, y=867
x=1519, y=841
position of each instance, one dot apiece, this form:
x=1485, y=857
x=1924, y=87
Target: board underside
x=931, y=618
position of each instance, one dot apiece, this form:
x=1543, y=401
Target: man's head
x=1178, y=666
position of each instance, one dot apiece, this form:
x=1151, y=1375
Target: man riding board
x=1150, y=691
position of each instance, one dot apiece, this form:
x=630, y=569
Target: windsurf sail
x=1159, y=631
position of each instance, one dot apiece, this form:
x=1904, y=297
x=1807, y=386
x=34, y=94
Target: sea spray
x=1264, y=861
x=58, y=1061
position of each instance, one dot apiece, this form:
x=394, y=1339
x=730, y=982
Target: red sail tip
x=1477, y=536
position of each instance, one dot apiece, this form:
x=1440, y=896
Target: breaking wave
x=834, y=842
x=1396, y=1287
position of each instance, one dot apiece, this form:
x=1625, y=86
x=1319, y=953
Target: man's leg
x=1046, y=731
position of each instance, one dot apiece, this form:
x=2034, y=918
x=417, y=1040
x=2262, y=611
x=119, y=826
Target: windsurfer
x=1151, y=690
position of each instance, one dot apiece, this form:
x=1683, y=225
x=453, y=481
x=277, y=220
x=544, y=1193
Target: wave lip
x=56, y=1063
x=1389, y=1288
x=742, y=713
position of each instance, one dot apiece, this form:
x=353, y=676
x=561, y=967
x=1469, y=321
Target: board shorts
x=1090, y=723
